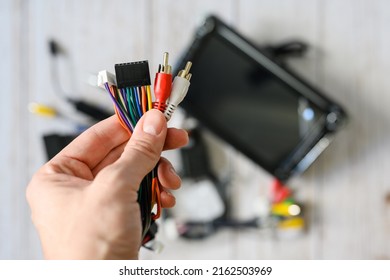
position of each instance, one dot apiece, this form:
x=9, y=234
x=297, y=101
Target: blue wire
x=132, y=115
x=133, y=104
x=138, y=103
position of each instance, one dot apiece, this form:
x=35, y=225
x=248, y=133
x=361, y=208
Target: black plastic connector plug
x=132, y=74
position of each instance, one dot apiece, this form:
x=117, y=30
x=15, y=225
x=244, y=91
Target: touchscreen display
x=247, y=105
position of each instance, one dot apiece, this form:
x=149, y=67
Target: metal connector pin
x=165, y=67
x=165, y=58
x=185, y=73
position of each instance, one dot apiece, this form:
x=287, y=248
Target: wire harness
x=130, y=92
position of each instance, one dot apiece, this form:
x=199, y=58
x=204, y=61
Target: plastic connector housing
x=105, y=77
x=179, y=91
x=162, y=87
x=132, y=74
x=180, y=86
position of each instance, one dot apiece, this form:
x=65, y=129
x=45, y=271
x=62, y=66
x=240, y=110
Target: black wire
x=145, y=203
x=84, y=107
x=55, y=79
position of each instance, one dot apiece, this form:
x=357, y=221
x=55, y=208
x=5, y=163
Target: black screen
x=246, y=104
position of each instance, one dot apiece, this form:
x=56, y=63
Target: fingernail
x=173, y=171
x=169, y=194
x=153, y=124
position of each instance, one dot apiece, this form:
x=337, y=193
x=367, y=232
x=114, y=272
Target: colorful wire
x=131, y=103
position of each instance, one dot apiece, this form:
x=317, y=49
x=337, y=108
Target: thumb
x=143, y=150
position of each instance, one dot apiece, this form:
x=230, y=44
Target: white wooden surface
x=344, y=190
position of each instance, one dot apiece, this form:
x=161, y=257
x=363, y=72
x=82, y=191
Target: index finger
x=92, y=146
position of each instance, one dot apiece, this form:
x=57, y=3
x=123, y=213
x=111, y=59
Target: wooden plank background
x=346, y=191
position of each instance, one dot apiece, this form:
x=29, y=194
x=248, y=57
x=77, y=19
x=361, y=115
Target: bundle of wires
x=132, y=97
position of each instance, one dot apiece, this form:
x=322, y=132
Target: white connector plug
x=106, y=77
x=180, y=86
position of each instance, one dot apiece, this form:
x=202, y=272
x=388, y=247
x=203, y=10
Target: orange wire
x=156, y=197
x=144, y=100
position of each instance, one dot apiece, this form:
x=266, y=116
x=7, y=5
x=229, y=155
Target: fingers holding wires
x=167, y=175
x=169, y=180
x=130, y=91
x=93, y=145
x=166, y=180
x=168, y=200
x=176, y=138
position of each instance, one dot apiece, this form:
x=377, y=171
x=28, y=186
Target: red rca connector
x=162, y=84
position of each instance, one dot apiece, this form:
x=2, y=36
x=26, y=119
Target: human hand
x=84, y=201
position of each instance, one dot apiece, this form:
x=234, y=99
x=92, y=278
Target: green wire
x=131, y=111
x=134, y=105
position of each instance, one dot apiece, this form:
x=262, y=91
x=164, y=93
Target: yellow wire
x=121, y=98
x=149, y=97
